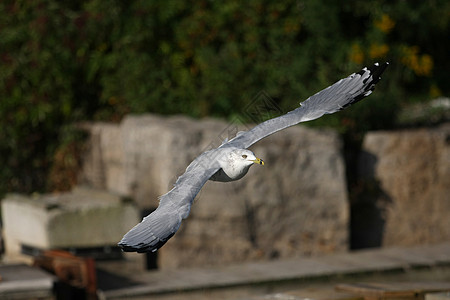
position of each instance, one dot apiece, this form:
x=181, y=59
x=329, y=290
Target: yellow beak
x=259, y=161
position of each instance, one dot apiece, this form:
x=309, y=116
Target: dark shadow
x=107, y=281
x=103, y=253
x=368, y=204
x=64, y=291
x=251, y=223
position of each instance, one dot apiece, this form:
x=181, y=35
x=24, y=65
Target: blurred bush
x=66, y=61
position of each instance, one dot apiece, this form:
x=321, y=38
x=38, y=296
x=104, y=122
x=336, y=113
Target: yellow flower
x=356, y=54
x=385, y=24
x=377, y=50
x=426, y=65
x=409, y=56
x=422, y=65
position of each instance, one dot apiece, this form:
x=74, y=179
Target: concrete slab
x=82, y=218
x=24, y=282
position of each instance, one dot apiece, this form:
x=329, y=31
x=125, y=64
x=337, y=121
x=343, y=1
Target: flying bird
x=231, y=160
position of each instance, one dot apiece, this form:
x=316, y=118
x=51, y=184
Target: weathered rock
x=143, y=156
x=412, y=171
x=82, y=218
x=296, y=204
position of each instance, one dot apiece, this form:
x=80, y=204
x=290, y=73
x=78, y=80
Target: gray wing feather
x=336, y=97
x=159, y=226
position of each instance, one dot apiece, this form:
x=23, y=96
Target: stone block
x=83, y=218
x=411, y=173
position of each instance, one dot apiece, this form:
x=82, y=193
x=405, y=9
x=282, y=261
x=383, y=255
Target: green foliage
x=65, y=61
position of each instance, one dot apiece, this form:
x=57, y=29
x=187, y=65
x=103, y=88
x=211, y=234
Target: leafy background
x=63, y=62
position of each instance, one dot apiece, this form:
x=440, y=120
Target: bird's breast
x=229, y=174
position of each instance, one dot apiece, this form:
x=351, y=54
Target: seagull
x=232, y=160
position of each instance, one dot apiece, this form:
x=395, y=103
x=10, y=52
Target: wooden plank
x=75, y=271
x=438, y=296
x=394, y=289
x=373, y=290
x=320, y=293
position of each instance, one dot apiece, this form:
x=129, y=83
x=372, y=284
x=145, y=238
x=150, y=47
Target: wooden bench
x=394, y=290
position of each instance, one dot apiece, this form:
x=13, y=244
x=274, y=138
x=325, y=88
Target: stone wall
x=294, y=205
x=297, y=204
x=409, y=171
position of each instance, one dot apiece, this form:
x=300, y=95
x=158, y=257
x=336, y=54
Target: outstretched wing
x=336, y=97
x=159, y=226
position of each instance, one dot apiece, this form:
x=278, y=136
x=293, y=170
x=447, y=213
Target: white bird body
x=231, y=160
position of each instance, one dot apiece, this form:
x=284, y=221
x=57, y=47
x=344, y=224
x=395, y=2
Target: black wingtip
x=127, y=248
x=376, y=70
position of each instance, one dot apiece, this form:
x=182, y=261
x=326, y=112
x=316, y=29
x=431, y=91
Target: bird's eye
x=244, y=156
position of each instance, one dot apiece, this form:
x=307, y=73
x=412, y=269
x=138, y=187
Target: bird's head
x=246, y=157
